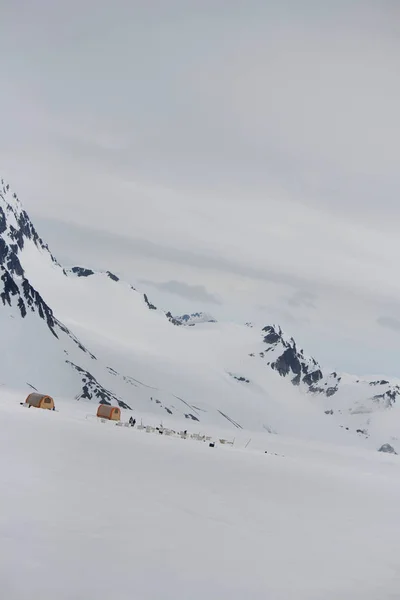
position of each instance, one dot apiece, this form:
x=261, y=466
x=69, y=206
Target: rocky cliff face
x=15, y=229
x=26, y=303
x=283, y=355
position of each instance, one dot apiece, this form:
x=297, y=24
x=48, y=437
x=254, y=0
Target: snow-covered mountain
x=86, y=335
x=340, y=391
x=195, y=318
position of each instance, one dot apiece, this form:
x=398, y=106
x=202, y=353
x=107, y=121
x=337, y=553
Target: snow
x=299, y=507
x=186, y=370
x=92, y=511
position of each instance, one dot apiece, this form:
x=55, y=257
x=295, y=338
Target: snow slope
x=301, y=507
x=98, y=512
x=73, y=332
x=102, y=339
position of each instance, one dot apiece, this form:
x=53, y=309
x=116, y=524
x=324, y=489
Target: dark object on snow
x=212, y=444
x=82, y=272
x=387, y=448
x=132, y=421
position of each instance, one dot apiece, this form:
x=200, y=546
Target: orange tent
x=40, y=401
x=109, y=412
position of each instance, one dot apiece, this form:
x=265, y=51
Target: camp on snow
x=40, y=401
x=113, y=413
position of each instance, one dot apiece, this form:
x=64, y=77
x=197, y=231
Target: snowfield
x=300, y=507
x=92, y=511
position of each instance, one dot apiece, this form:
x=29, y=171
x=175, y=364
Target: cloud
x=302, y=298
x=103, y=244
x=192, y=292
x=389, y=323
x=250, y=148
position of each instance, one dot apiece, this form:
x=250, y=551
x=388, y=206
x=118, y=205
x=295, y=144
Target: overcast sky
x=238, y=157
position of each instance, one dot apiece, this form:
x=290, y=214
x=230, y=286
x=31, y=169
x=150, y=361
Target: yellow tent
x=40, y=401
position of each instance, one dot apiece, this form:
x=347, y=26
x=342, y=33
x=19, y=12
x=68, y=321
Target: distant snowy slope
x=355, y=402
x=195, y=318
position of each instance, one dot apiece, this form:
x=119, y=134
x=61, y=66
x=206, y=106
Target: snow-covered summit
x=357, y=402
x=195, y=318
x=16, y=229
x=283, y=355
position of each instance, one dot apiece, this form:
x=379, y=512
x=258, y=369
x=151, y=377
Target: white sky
x=240, y=155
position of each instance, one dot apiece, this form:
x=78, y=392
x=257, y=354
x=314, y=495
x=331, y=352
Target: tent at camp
x=113, y=413
x=40, y=401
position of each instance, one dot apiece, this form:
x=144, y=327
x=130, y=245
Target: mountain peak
x=16, y=229
x=284, y=357
x=195, y=318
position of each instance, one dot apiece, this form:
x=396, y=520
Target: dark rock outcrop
x=387, y=448
x=112, y=276
x=82, y=271
x=91, y=389
x=149, y=304
x=272, y=336
x=291, y=362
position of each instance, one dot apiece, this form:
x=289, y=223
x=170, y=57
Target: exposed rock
x=272, y=336
x=313, y=377
x=3, y=221
x=386, y=399
x=240, y=378
x=330, y=391
x=149, y=304
x=296, y=379
x=173, y=320
x=82, y=271
x=91, y=388
x=287, y=362
x=192, y=417
x=387, y=448
x=362, y=432
x=10, y=287
x=112, y=276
